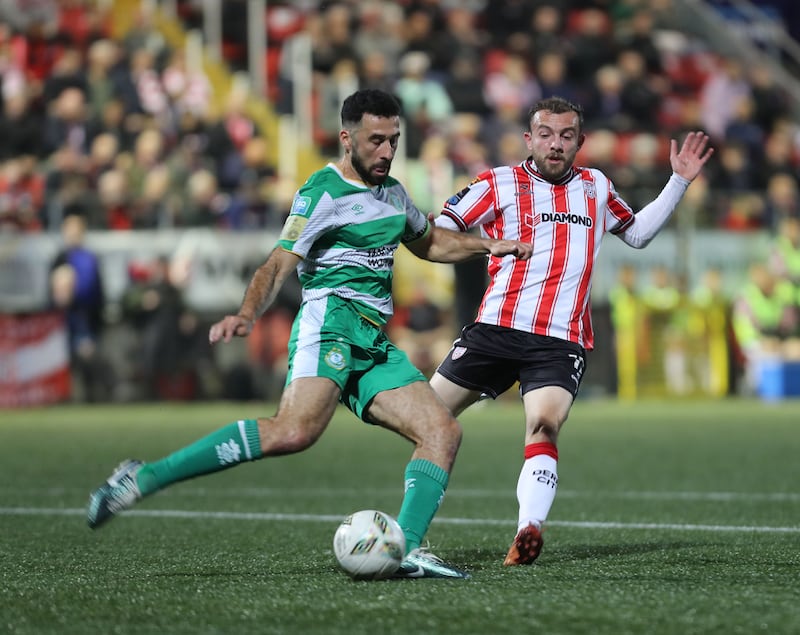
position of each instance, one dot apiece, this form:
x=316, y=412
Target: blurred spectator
x=21, y=196
x=551, y=76
x=467, y=151
x=29, y=16
x=770, y=100
x=113, y=120
x=83, y=22
x=460, y=40
x=171, y=355
x=204, y=205
x=504, y=18
x=143, y=33
x=379, y=36
x=765, y=321
x=743, y=130
x=375, y=72
x=604, y=107
x=644, y=172
x=599, y=150
x=76, y=287
x=331, y=89
x=332, y=37
x=101, y=58
x=782, y=201
x=141, y=90
x=255, y=203
x=731, y=171
x=638, y=34
x=228, y=135
x=188, y=89
x=149, y=152
x=665, y=326
x=779, y=158
x=591, y=44
x=785, y=256
x=708, y=330
x=113, y=192
x=426, y=105
x=157, y=205
x=67, y=72
x=103, y=155
x=719, y=95
x=641, y=94
x=464, y=86
x=65, y=126
x=547, y=26
x=430, y=177
x=628, y=324
x=20, y=128
x=423, y=30
x=745, y=212
x=511, y=86
x=12, y=63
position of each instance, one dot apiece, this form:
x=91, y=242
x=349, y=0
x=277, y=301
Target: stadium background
x=180, y=130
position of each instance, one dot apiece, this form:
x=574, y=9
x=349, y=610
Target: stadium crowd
x=122, y=131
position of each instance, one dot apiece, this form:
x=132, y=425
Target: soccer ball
x=369, y=545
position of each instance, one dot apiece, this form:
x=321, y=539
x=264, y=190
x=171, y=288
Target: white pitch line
x=175, y=513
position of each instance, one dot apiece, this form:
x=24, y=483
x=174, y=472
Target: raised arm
x=686, y=165
x=261, y=291
x=694, y=154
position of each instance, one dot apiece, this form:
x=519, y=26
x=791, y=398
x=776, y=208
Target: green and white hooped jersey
x=347, y=234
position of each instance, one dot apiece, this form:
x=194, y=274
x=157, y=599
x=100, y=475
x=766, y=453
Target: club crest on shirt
x=589, y=189
x=458, y=351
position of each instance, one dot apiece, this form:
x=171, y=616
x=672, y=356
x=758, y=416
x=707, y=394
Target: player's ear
x=581, y=139
x=344, y=137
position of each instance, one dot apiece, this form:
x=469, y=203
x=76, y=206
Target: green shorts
x=331, y=339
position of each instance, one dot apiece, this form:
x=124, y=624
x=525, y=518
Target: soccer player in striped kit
x=534, y=324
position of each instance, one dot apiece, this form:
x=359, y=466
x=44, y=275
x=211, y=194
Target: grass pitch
x=670, y=518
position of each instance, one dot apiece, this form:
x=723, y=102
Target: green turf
x=671, y=518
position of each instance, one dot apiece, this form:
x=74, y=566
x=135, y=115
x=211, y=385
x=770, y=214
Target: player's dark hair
x=368, y=101
x=557, y=105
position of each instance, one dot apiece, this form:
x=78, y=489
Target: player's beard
x=364, y=172
x=553, y=173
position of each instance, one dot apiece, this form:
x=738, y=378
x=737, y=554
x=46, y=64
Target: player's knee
x=546, y=428
x=290, y=437
x=442, y=431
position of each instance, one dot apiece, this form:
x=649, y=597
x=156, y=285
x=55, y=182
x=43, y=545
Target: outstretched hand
x=694, y=154
x=522, y=251
x=228, y=327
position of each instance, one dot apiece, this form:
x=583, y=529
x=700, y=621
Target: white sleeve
x=653, y=216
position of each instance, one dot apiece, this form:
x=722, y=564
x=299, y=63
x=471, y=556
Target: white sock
x=536, y=487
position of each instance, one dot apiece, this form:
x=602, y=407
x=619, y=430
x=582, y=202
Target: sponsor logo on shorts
x=458, y=351
x=335, y=358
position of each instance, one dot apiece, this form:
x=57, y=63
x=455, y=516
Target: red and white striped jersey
x=565, y=221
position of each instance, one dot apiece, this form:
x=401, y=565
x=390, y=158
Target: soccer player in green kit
x=345, y=224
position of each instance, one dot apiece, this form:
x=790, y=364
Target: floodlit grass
x=672, y=517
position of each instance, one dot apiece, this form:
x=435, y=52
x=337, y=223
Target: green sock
x=233, y=444
x=425, y=486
